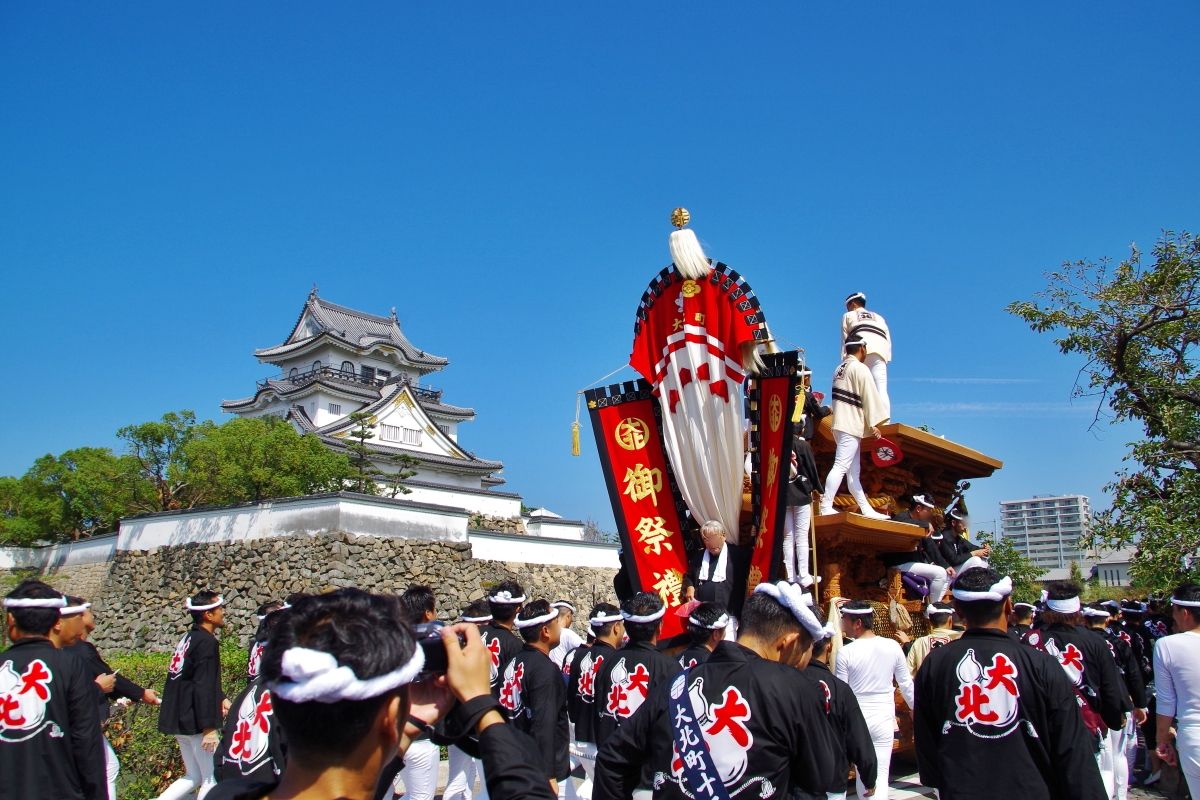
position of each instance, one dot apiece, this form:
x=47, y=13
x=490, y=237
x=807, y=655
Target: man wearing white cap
x=193, y=704
x=871, y=327
x=858, y=411
x=994, y=718
x=50, y=740
x=1177, y=681
x=745, y=723
x=870, y=664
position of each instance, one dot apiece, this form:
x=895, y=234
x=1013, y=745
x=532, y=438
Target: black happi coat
x=730, y=592
x=1089, y=666
x=252, y=743
x=1132, y=633
x=50, y=740
x=693, y=656
x=762, y=722
x=504, y=645
x=191, y=702
x=926, y=551
x=851, y=739
x=641, y=669
x=975, y=739
x=1127, y=665
x=955, y=549
x=535, y=702
x=581, y=688
x=800, y=488
x=95, y=665
x=1018, y=630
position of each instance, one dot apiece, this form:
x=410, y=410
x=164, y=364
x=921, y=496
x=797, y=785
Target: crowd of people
x=349, y=694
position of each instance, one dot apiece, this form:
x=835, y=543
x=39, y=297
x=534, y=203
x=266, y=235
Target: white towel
x=718, y=572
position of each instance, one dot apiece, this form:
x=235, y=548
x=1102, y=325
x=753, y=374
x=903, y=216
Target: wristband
x=421, y=725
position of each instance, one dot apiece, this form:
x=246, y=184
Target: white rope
x=863, y=611
x=563, y=604
x=67, y=611
x=220, y=601
x=791, y=597
x=998, y=591
x=657, y=615
x=505, y=598
x=1185, y=603
x=602, y=619
x=1066, y=606
x=477, y=620
x=35, y=602
x=721, y=622
x=535, y=621
x=314, y=676
x=603, y=378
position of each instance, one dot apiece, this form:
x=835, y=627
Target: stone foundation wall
x=140, y=604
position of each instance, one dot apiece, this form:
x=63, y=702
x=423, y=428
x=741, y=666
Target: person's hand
x=150, y=697
x=949, y=574
x=1140, y=715
x=689, y=594
x=903, y=637
x=226, y=704
x=106, y=682
x=468, y=666
x=1166, y=751
x=210, y=741
x=869, y=792
x=875, y=432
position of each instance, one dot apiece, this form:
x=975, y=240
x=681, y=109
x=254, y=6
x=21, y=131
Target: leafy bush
x=149, y=759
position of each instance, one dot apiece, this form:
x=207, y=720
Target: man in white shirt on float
x=857, y=413
x=1177, y=686
x=872, y=328
x=870, y=664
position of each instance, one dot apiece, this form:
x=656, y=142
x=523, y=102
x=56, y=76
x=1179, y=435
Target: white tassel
x=688, y=255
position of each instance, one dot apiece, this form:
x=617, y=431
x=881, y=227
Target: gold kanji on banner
x=642, y=482
x=669, y=586
x=632, y=433
x=754, y=579
x=653, y=534
x=772, y=467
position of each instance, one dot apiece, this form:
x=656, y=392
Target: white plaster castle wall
x=493, y=505
x=538, y=550
x=552, y=528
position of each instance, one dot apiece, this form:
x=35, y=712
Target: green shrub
x=149, y=759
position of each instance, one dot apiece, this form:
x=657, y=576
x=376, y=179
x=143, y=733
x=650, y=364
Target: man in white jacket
x=857, y=412
x=871, y=327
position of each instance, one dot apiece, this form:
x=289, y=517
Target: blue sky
x=174, y=179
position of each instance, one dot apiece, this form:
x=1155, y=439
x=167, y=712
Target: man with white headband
x=193, y=704
x=608, y=628
x=872, y=328
x=995, y=718
x=568, y=638
x=1177, y=681
x=1096, y=617
x=50, y=740
x=926, y=560
x=532, y=691
x=870, y=664
x=1088, y=665
x=941, y=631
x=1021, y=620
x=349, y=689
x=463, y=769
x=706, y=624
x=961, y=553
x=500, y=635
x=635, y=672
x=858, y=411
x=852, y=744
x=745, y=723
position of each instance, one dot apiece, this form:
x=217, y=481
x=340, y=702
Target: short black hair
x=868, y=620
x=295, y=597
x=608, y=610
x=707, y=614
x=821, y=647
x=537, y=608
x=268, y=607
x=416, y=602
x=477, y=608
x=36, y=621
x=1023, y=613
x=364, y=632
x=765, y=618
x=1188, y=593
x=640, y=605
x=977, y=613
x=505, y=612
x=203, y=597
x=854, y=348
x=1061, y=590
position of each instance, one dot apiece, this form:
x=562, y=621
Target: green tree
x=158, y=448
x=406, y=467
x=1137, y=327
x=253, y=459
x=1007, y=560
x=366, y=475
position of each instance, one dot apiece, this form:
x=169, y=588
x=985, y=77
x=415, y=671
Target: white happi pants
x=795, y=542
x=879, y=710
x=937, y=577
x=112, y=768
x=1118, y=743
x=1104, y=760
x=420, y=773
x=1187, y=745
x=847, y=464
x=878, y=368
x=462, y=772
x=585, y=753
x=199, y=770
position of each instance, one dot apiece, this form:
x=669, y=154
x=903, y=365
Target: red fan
x=886, y=453
x=819, y=397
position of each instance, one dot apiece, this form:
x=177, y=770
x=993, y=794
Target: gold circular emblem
x=632, y=433
x=775, y=413
x=680, y=217
x=690, y=288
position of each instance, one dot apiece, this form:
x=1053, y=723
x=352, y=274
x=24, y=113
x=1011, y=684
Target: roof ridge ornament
x=313, y=293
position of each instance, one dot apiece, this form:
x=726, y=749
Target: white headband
x=955, y=515
x=314, y=676
x=933, y=608
x=856, y=342
x=856, y=296
x=602, y=619
x=844, y=610
x=488, y=618
x=791, y=597
x=1135, y=608
x=655, y=617
x=920, y=500
x=1030, y=606
x=505, y=598
x=35, y=602
x=542, y=620
x=828, y=632
x=1095, y=612
x=67, y=611
x=563, y=604
x=220, y=601
x=721, y=622
x=998, y=591
x=1068, y=606
x=1185, y=603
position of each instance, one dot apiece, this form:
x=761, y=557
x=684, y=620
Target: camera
x=429, y=638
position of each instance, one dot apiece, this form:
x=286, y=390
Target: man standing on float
x=871, y=327
x=857, y=412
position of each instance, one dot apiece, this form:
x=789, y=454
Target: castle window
x=348, y=368
x=317, y=365
x=368, y=374
x=293, y=372
x=335, y=408
x=390, y=433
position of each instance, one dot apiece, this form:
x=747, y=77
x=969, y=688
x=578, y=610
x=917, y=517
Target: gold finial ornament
x=680, y=217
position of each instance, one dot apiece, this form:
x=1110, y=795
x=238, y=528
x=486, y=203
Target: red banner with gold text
x=642, y=490
x=770, y=404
